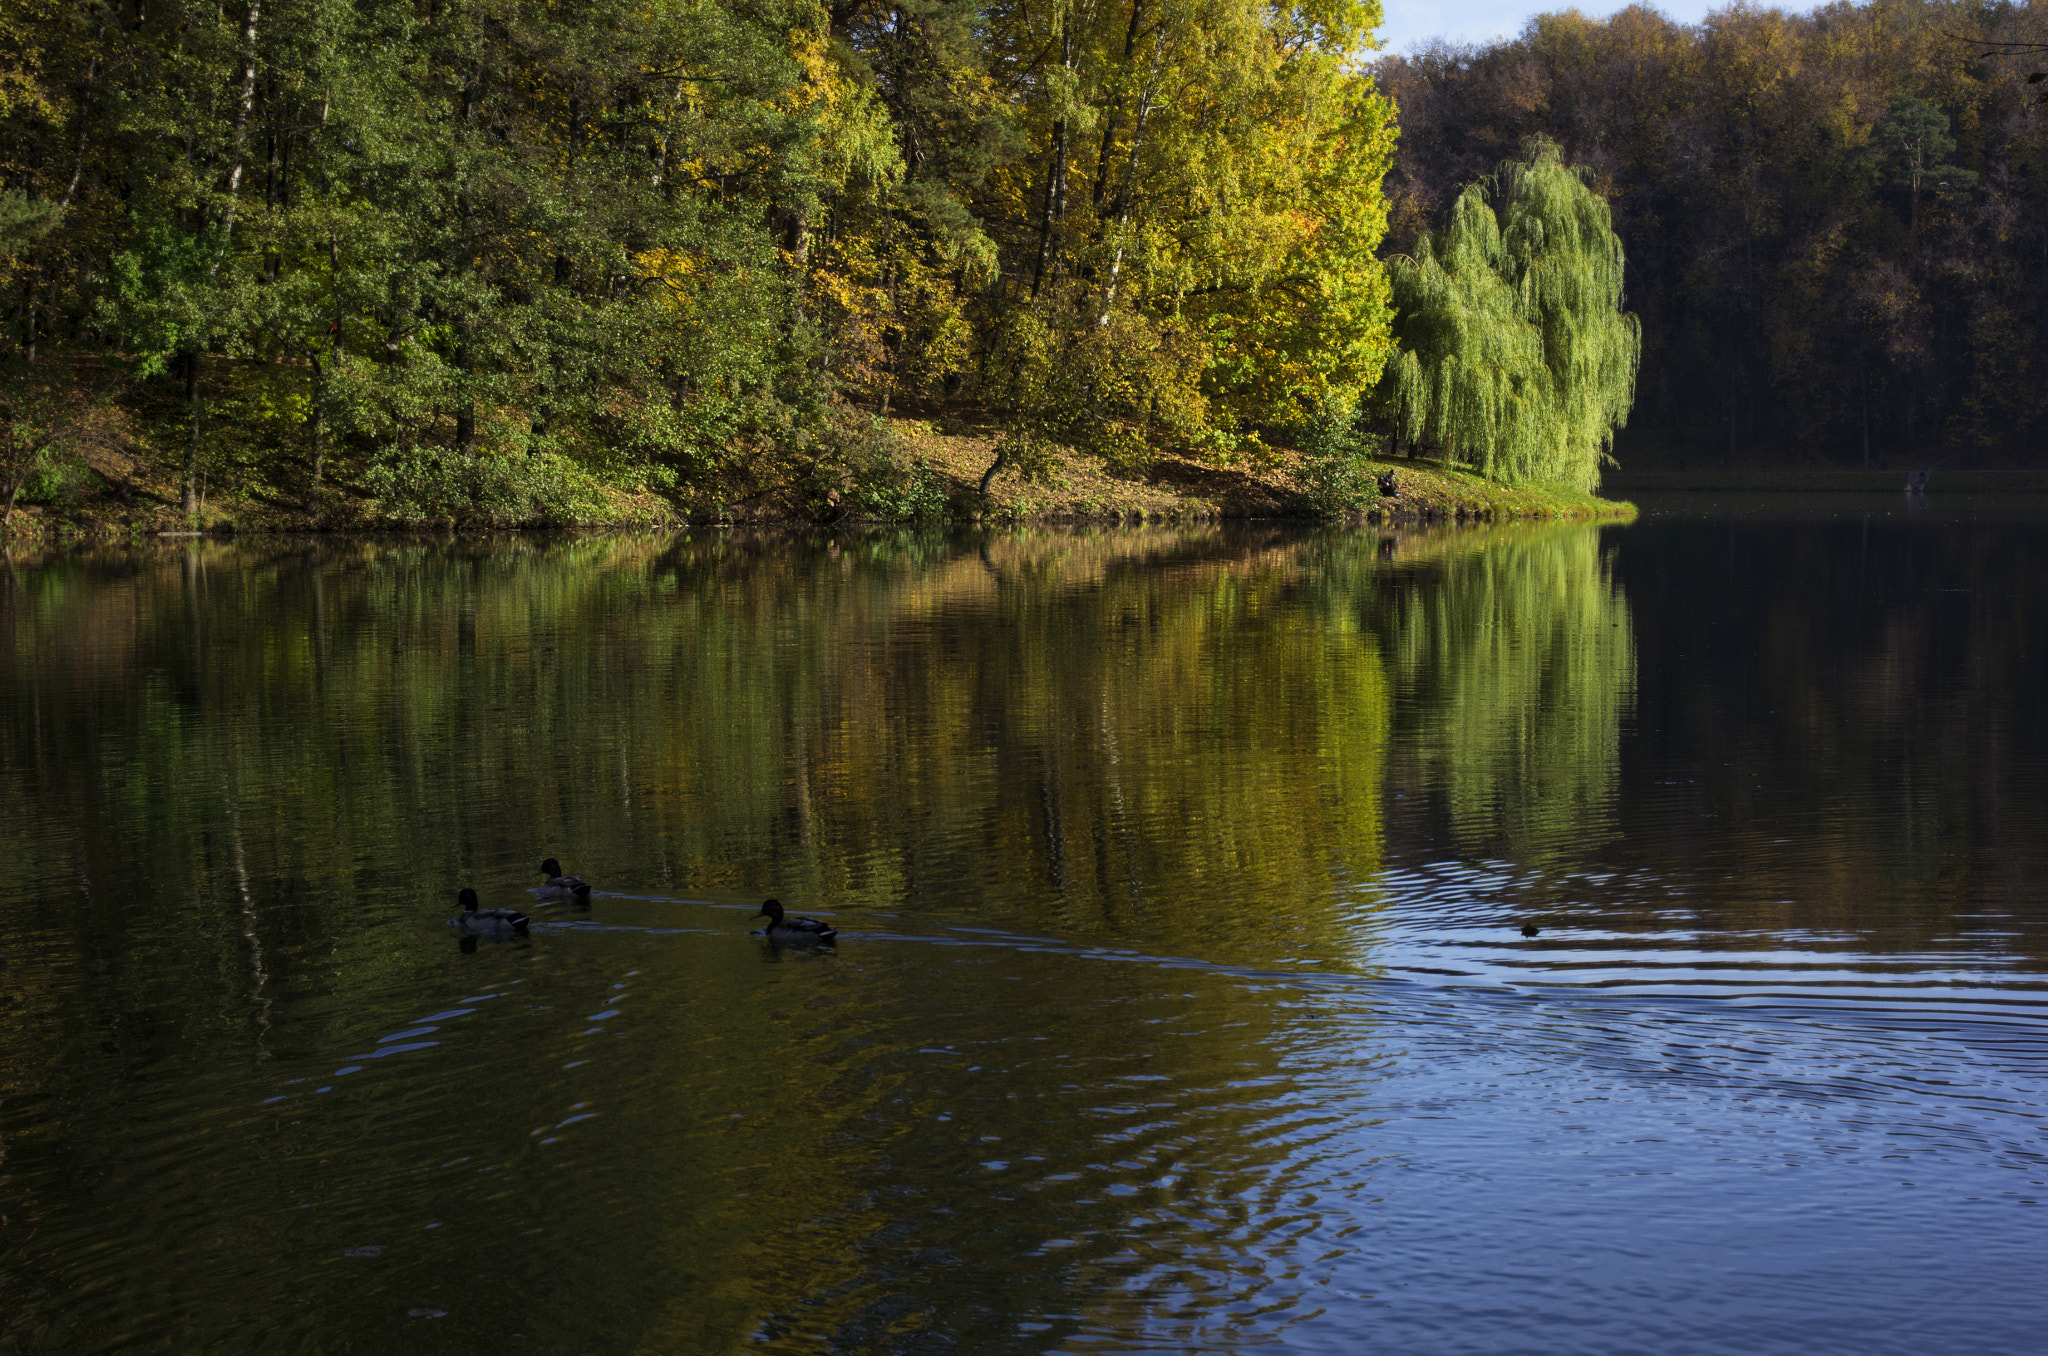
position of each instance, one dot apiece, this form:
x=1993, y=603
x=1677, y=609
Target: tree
x=1515, y=355
x=1174, y=203
x=1912, y=144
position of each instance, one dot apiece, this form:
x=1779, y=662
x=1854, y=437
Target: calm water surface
x=1182, y=1002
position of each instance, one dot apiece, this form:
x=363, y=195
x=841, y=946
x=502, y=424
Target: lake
x=1182, y=1000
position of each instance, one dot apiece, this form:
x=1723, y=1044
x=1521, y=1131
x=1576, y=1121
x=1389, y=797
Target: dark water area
x=1182, y=1001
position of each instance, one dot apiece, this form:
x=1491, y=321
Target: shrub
x=1333, y=477
x=427, y=484
x=57, y=480
x=876, y=477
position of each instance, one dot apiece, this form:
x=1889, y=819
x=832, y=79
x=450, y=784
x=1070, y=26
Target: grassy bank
x=1076, y=489
x=919, y=471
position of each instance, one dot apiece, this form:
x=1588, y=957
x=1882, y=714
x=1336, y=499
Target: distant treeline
x=1836, y=224
x=416, y=259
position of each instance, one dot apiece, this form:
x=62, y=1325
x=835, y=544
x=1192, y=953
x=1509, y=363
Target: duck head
x=772, y=908
x=467, y=899
x=551, y=868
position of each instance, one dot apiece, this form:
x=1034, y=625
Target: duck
x=1530, y=929
x=789, y=928
x=474, y=919
x=572, y=888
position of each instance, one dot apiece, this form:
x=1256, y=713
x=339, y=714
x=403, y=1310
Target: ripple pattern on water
x=1182, y=1000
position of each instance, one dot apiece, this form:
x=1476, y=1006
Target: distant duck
x=792, y=928
x=1530, y=929
x=572, y=888
x=473, y=919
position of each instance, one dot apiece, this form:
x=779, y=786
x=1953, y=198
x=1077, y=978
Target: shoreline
x=937, y=474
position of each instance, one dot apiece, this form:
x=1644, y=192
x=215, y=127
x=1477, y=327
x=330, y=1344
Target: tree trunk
x=315, y=416
x=92, y=69
x=1111, y=124
x=1055, y=177
x=1123, y=209
x=271, y=262
x=246, y=106
x=1055, y=204
x=319, y=451
x=191, y=495
x=797, y=242
x=1002, y=455
x=465, y=414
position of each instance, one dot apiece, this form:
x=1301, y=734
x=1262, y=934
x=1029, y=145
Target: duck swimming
x=572, y=888
x=473, y=919
x=790, y=928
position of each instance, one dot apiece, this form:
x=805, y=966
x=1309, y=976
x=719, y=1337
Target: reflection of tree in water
x=1174, y=736
x=1859, y=746
x=1168, y=742
x=1514, y=662
x=1171, y=737
x=270, y=763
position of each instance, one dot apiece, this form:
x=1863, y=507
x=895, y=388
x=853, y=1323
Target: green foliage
x=885, y=482
x=1113, y=390
x=1203, y=189
x=1516, y=356
x=433, y=484
x=24, y=220
x=1332, y=475
x=50, y=418
x=892, y=492
x=1912, y=144
x=57, y=478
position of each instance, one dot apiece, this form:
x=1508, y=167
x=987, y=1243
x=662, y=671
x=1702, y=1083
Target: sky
x=1412, y=22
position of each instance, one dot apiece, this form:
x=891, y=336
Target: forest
x=390, y=261
x=1836, y=223
x=503, y=259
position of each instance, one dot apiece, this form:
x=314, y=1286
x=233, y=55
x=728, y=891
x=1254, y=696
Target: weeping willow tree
x=1515, y=355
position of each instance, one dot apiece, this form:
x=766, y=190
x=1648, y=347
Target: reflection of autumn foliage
x=50, y=415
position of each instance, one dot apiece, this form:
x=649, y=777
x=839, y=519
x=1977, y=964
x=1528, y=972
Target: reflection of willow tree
x=1516, y=666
